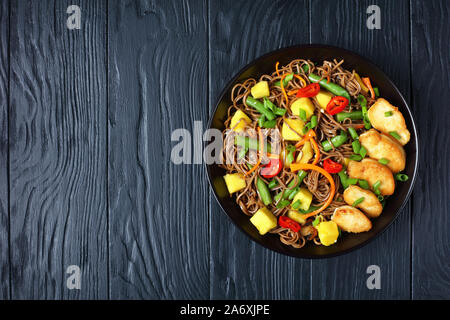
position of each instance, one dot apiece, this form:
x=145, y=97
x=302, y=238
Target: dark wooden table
x=86, y=118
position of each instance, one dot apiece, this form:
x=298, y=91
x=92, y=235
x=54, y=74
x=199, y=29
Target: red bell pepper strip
x=336, y=105
x=288, y=223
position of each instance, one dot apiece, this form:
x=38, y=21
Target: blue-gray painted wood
x=241, y=31
x=344, y=25
x=158, y=211
x=58, y=150
x=4, y=83
x=430, y=95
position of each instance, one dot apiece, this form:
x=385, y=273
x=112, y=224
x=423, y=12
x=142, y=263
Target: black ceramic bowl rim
x=413, y=130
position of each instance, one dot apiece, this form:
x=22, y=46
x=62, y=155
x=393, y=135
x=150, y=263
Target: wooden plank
x=240, y=31
x=430, y=66
x=58, y=150
x=157, y=83
x=4, y=219
x=340, y=24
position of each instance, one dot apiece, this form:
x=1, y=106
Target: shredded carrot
x=311, y=133
x=273, y=155
x=276, y=68
x=316, y=151
x=301, y=79
x=283, y=90
x=261, y=150
x=366, y=81
x=307, y=166
x=328, y=78
x=359, y=126
x=292, y=92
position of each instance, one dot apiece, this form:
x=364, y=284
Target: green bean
x=269, y=124
x=302, y=114
x=362, y=100
x=330, y=86
x=353, y=133
x=294, y=193
x=259, y=106
x=263, y=191
x=351, y=181
x=261, y=120
x=296, y=204
x=269, y=105
x=313, y=122
x=242, y=152
x=343, y=178
x=354, y=115
x=250, y=143
x=337, y=141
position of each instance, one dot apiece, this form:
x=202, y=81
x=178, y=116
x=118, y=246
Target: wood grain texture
x=343, y=23
x=431, y=211
x=58, y=150
x=4, y=83
x=158, y=210
x=240, y=31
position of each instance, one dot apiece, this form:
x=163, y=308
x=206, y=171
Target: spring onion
x=273, y=183
x=355, y=157
x=337, y=141
x=302, y=114
x=353, y=133
x=316, y=221
x=401, y=177
x=376, y=187
x=363, y=152
x=283, y=204
x=383, y=161
x=358, y=201
x=356, y=146
x=364, y=184
x=296, y=205
x=313, y=122
x=352, y=181
x=388, y=114
x=376, y=91
x=395, y=135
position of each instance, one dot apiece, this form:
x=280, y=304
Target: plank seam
x=108, y=267
x=411, y=215
x=8, y=155
x=208, y=86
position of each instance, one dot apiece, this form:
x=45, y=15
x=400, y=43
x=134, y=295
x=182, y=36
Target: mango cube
x=303, y=104
x=288, y=134
x=264, y=220
x=296, y=216
x=236, y=123
x=328, y=232
x=323, y=97
x=305, y=198
x=235, y=182
x=306, y=154
x=260, y=90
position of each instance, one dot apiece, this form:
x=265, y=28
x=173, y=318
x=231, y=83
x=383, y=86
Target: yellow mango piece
x=305, y=198
x=306, y=154
x=323, y=97
x=235, y=124
x=296, y=216
x=328, y=232
x=346, y=161
x=304, y=104
x=235, y=182
x=264, y=220
x=260, y=90
x=289, y=134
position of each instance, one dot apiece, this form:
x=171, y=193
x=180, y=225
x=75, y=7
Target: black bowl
x=388, y=90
